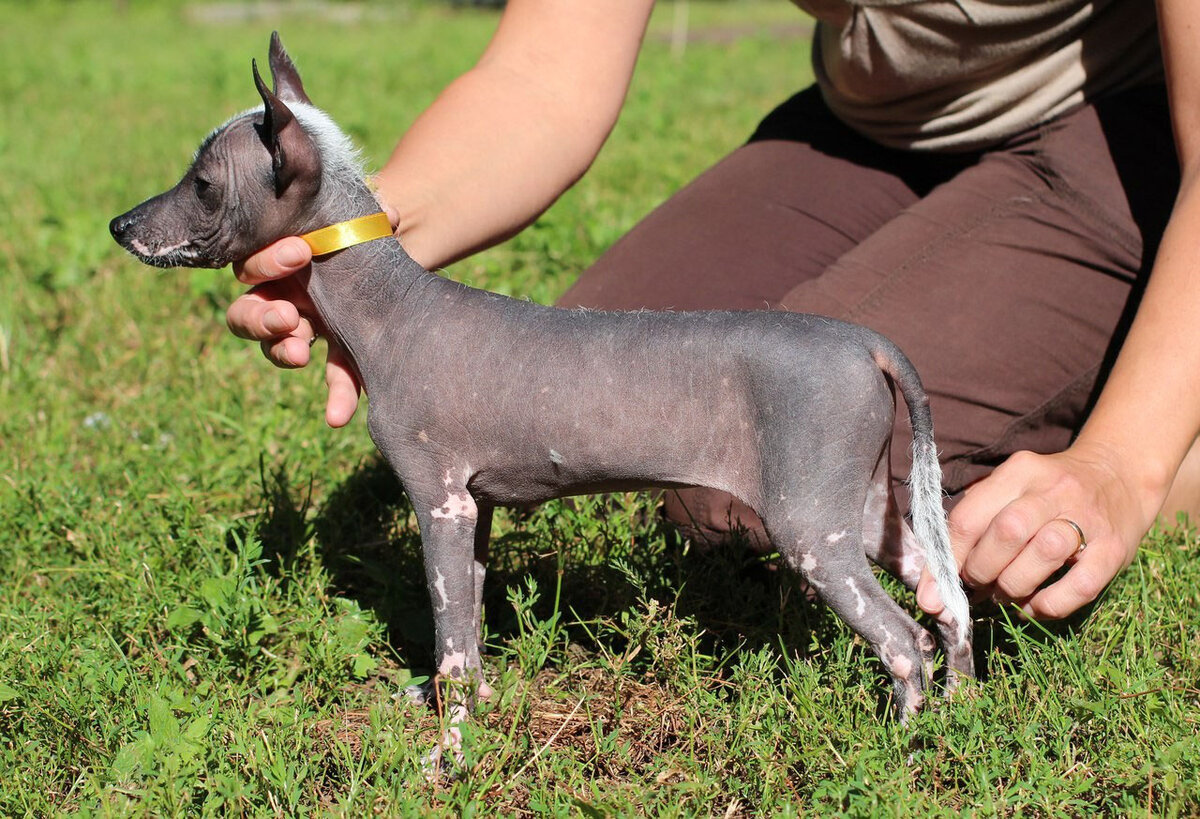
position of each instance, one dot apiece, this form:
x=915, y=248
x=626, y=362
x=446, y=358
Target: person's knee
x=712, y=518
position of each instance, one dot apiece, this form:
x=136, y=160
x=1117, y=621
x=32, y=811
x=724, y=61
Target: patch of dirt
x=647, y=716
x=563, y=716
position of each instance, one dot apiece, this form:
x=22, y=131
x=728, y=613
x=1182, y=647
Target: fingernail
x=274, y=322
x=928, y=598
x=288, y=255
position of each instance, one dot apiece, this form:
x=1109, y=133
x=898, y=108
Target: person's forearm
x=1148, y=414
x=503, y=141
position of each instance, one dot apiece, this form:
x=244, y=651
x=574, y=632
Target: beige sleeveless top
x=963, y=74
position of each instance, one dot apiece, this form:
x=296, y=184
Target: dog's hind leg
x=827, y=552
x=889, y=541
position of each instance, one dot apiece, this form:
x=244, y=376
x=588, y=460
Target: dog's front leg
x=448, y=539
x=483, y=534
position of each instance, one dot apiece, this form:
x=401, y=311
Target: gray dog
x=478, y=400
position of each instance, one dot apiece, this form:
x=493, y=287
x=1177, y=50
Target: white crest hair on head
x=342, y=187
x=339, y=156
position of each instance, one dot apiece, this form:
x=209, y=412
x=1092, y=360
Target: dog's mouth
x=182, y=254
x=130, y=232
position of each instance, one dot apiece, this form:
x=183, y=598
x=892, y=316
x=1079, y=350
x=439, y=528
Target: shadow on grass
x=1001, y=631
x=367, y=541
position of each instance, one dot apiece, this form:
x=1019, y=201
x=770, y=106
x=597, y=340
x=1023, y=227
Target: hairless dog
x=478, y=400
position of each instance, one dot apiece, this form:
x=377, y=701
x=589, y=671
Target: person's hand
x=1011, y=533
x=277, y=313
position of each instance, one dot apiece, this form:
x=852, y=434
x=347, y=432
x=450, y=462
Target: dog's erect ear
x=284, y=75
x=294, y=157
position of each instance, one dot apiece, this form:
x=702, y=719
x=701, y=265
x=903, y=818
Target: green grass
x=208, y=599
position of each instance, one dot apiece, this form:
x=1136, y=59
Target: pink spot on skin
x=862, y=604
x=910, y=568
x=834, y=537
x=457, y=505
x=902, y=668
x=440, y=585
x=453, y=664
x=873, y=515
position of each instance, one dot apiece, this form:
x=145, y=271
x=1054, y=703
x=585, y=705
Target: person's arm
x=491, y=153
x=1009, y=530
x=503, y=141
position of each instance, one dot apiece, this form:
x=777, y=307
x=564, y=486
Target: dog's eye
x=205, y=192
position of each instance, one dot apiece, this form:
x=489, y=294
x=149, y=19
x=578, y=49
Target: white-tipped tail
x=929, y=525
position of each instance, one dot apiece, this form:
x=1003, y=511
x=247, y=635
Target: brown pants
x=1008, y=276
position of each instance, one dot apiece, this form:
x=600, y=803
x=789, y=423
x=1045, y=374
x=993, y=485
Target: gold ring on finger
x=1079, y=534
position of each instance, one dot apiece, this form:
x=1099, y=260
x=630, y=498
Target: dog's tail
x=925, y=486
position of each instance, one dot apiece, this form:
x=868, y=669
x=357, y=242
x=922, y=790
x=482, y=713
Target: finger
x=283, y=258
x=930, y=599
x=928, y=596
x=1005, y=537
x=966, y=522
x=393, y=215
x=1082, y=584
x=292, y=351
x=973, y=513
x=343, y=389
x=257, y=316
x=1044, y=555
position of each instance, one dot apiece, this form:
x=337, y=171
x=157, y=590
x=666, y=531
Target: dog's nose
x=119, y=226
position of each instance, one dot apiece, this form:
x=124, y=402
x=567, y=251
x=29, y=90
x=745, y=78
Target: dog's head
x=253, y=180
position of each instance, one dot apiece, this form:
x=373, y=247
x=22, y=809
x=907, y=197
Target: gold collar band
x=346, y=234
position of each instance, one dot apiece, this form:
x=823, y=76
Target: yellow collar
x=345, y=234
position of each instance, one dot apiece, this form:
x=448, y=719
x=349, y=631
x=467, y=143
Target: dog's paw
x=445, y=760
x=425, y=693
x=418, y=693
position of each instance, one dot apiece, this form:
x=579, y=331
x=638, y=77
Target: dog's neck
x=360, y=291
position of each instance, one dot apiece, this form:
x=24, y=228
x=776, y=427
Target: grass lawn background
x=208, y=599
